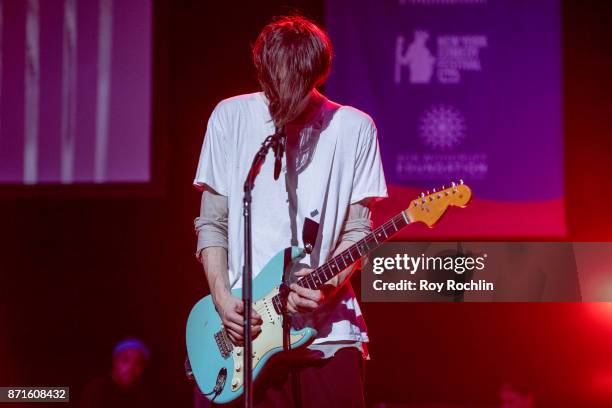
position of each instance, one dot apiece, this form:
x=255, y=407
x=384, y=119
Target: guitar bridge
x=223, y=343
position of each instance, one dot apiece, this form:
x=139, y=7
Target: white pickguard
x=270, y=338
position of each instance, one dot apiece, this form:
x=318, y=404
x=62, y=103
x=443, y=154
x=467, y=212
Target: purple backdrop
x=465, y=89
x=75, y=91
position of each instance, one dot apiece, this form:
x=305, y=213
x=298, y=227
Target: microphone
x=279, y=150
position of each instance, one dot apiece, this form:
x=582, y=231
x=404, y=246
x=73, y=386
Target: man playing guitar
x=331, y=174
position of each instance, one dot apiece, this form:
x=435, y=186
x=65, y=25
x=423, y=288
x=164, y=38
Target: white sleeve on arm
x=358, y=223
x=369, y=179
x=214, y=161
x=211, y=225
x=212, y=177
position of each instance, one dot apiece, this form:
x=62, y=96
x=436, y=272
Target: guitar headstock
x=430, y=207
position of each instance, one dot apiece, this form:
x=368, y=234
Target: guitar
x=217, y=364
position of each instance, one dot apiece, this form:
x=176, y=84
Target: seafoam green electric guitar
x=217, y=364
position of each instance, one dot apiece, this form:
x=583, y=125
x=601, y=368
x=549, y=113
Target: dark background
x=80, y=270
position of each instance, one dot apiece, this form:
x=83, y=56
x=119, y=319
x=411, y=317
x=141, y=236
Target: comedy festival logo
x=417, y=57
x=454, y=54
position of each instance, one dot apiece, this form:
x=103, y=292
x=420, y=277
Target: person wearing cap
x=123, y=386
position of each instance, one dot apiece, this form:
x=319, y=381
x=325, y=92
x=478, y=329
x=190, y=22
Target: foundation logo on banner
x=442, y=127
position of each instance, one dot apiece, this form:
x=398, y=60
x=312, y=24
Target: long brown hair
x=292, y=55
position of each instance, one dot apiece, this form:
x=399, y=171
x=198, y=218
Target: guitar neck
x=319, y=276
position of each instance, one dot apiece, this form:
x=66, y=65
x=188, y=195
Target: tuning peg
x=427, y=192
x=453, y=184
x=422, y=195
x=460, y=181
x=434, y=190
x=439, y=195
x=443, y=187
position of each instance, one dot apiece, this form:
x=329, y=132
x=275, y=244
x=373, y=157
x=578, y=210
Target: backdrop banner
x=460, y=89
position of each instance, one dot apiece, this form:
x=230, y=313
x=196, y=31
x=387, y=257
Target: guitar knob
x=235, y=382
x=239, y=352
x=238, y=367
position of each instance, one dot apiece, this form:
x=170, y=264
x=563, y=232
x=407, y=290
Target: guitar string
x=370, y=238
x=342, y=255
x=383, y=227
x=367, y=239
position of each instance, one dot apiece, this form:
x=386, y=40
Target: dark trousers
x=333, y=382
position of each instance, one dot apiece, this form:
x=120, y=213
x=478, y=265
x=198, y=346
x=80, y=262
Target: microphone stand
x=276, y=142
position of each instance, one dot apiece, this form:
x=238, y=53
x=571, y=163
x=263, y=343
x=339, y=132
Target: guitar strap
x=310, y=232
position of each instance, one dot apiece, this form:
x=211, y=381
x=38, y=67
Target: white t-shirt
x=333, y=163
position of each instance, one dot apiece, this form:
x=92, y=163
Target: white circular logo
x=442, y=127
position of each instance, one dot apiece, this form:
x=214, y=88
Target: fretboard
x=320, y=275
